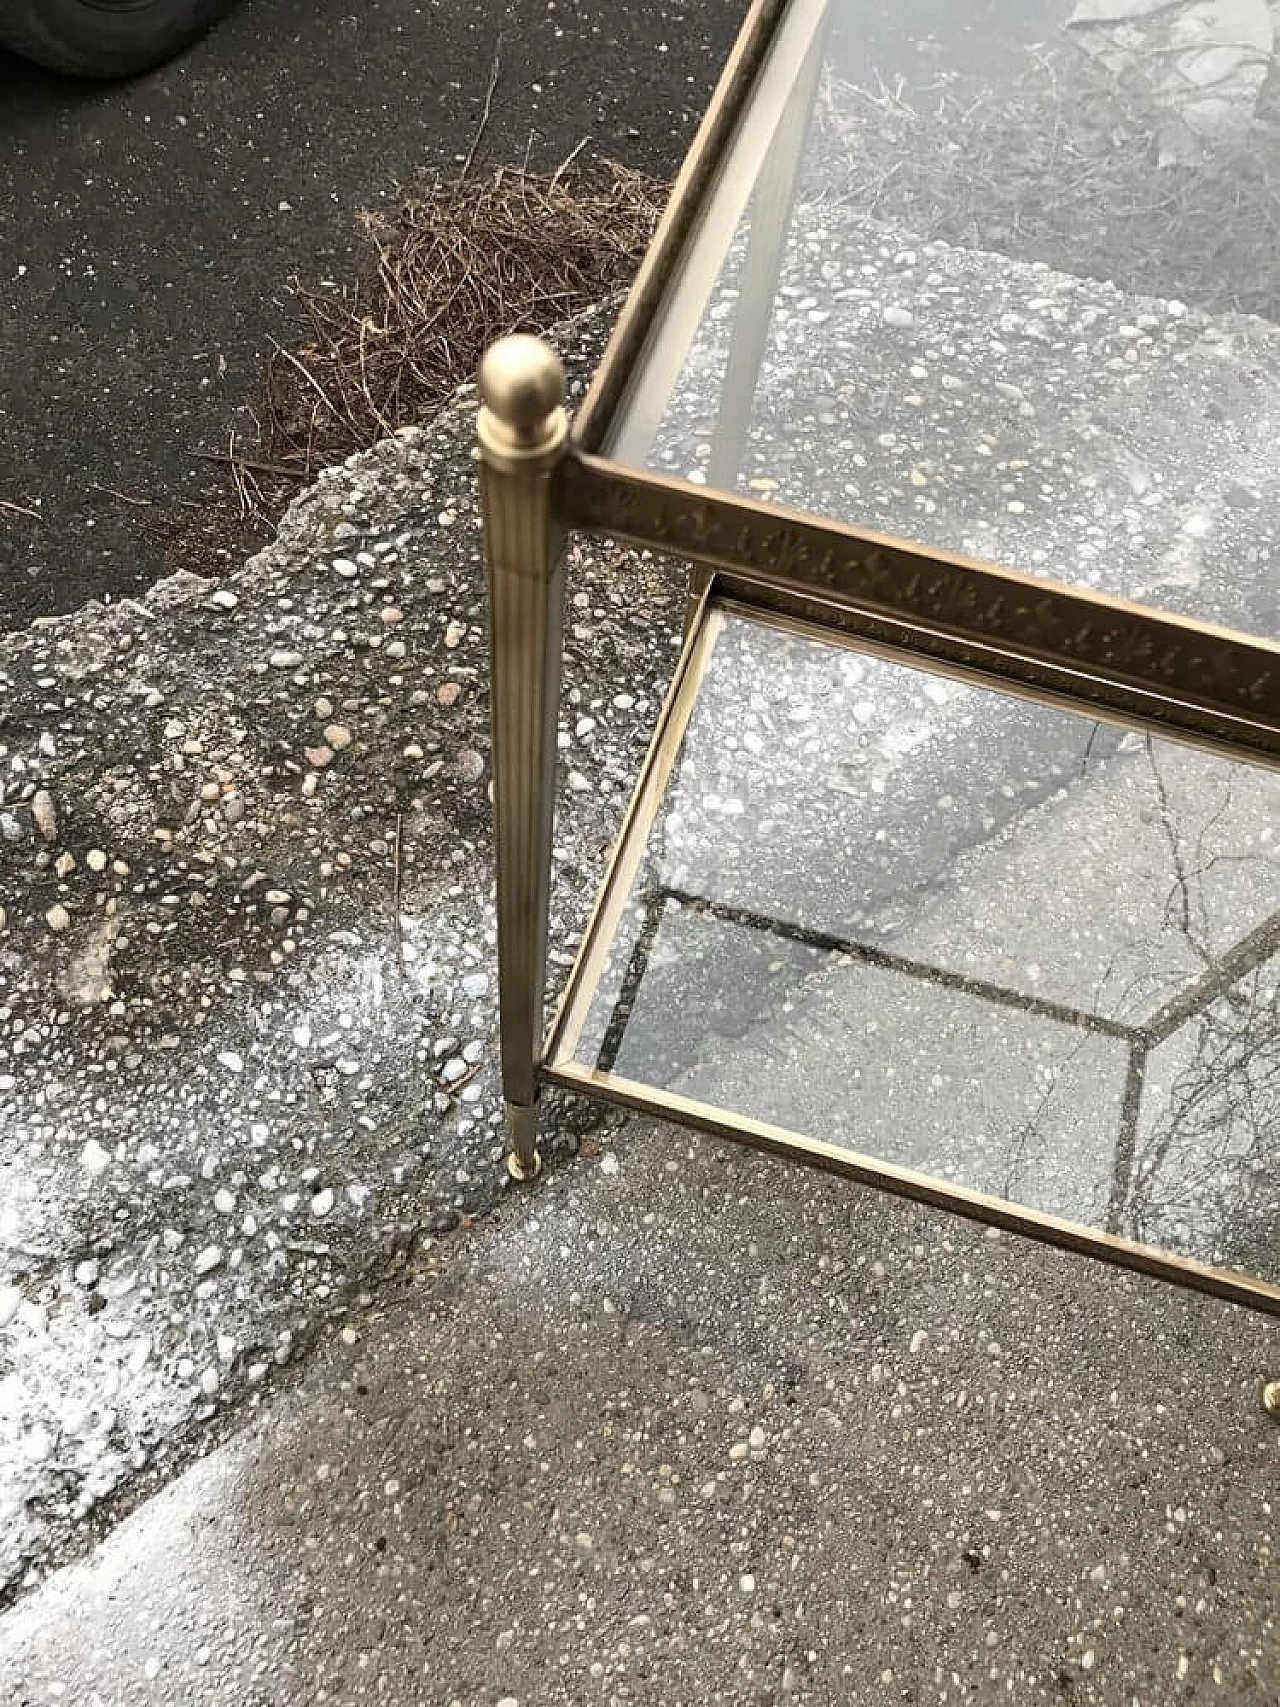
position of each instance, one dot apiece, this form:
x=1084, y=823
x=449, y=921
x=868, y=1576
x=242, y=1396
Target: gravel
x=219, y=1074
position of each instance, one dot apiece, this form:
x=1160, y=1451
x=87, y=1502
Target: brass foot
x=523, y=1160
x=1270, y=1397
x=521, y=1171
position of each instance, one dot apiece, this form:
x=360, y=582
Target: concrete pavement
x=246, y=953
x=682, y=1426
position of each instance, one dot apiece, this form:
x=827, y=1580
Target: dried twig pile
x=459, y=263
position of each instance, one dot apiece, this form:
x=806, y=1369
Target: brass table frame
x=1113, y=660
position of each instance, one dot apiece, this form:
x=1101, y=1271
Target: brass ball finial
x=522, y=423
x=521, y=381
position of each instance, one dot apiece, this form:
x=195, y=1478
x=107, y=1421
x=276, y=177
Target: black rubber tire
x=105, y=40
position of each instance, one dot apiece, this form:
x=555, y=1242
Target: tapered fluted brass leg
x=522, y=429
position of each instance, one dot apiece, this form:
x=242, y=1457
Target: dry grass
x=461, y=262
x=1062, y=165
x=1058, y=165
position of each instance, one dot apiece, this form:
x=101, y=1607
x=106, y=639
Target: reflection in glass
x=989, y=940
x=999, y=285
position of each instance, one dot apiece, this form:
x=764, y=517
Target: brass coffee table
x=955, y=877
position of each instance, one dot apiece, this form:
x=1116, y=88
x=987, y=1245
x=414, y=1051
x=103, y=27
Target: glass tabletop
x=1019, y=952
x=999, y=279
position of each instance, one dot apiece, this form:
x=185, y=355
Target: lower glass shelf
x=982, y=951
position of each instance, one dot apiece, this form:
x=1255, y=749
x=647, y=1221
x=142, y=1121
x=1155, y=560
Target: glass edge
x=694, y=185
x=1229, y=1285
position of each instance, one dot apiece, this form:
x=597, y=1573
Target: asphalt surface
x=150, y=229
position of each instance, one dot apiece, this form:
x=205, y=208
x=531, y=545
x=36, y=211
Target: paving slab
x=683, y=1426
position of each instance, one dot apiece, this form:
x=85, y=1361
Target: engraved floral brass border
x=1170, y=672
